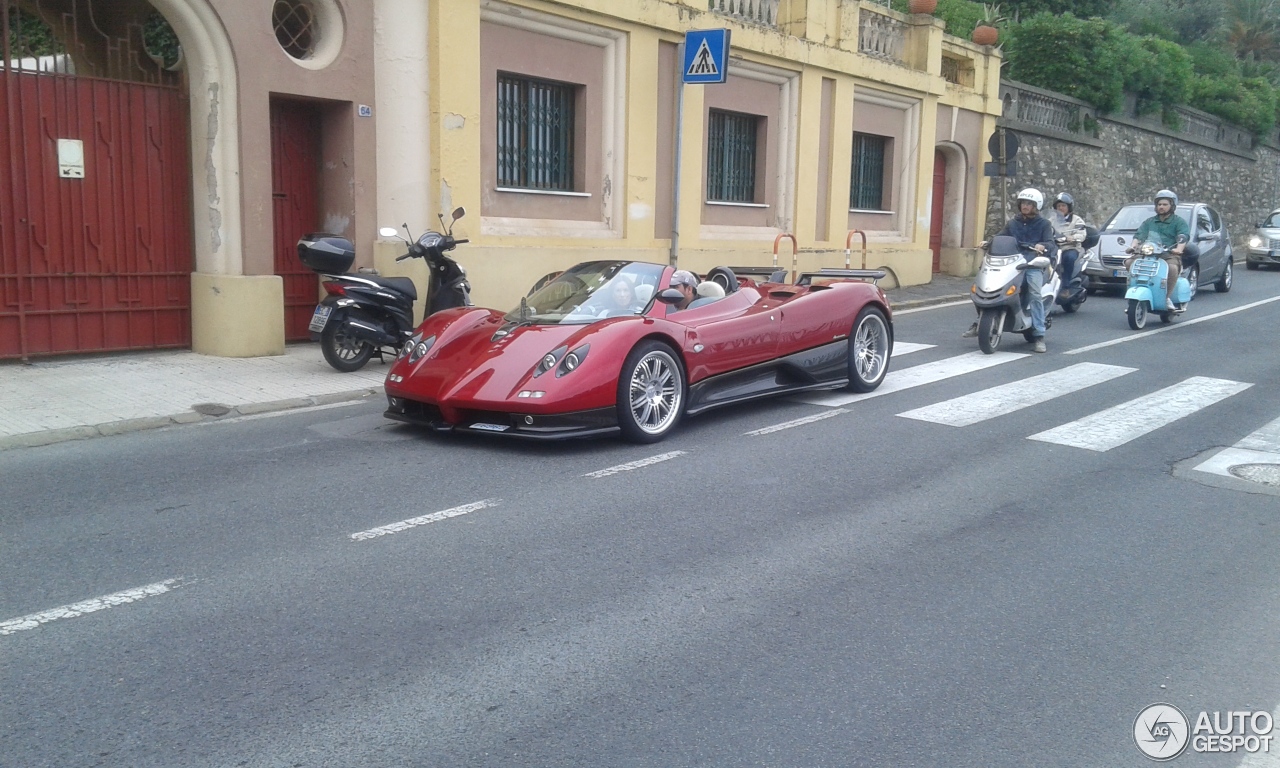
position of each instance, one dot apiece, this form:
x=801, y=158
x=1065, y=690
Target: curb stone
x=106, y=429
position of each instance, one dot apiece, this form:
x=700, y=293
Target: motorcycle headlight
x=421, y=348
x=1000, y=261
x=573, y=360
x=1148, y=249
x=1255, y=242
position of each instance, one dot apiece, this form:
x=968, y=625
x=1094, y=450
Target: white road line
x=1224, y=460
x=1175, y=326
x=31, y=621
x=1118, y=425
x=919, y=375
x=1265, y=439
x=1007, y=398
x=901, y=348
x=414, y=522
x=630, y=465
x=796, y=422
x=932, y=306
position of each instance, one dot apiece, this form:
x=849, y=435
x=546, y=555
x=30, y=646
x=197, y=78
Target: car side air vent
x=781, y=294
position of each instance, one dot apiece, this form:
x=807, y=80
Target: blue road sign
x=706, y=56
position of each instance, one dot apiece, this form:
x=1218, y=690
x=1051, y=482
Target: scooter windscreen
x=1004, y=245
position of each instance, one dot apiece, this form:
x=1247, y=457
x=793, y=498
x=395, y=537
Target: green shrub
x=1248, y=102
x=1084, y=58
x=1158, y=72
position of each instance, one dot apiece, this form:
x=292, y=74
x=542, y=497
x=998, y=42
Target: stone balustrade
x=880, y=35
x=762, y=12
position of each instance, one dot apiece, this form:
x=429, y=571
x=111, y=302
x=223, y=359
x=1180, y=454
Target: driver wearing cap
x=687, y=283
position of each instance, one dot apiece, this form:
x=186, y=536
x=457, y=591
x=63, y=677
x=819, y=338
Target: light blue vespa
x=1147, y=288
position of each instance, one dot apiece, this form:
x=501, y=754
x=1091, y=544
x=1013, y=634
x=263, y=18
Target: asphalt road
x=861, y=588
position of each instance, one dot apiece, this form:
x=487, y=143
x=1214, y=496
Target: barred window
x=731, y=157
x=535, y=133
x=866, y=187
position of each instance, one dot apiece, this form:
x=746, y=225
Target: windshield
x=591, y=291
x=1130, y=217
x=1273, y=221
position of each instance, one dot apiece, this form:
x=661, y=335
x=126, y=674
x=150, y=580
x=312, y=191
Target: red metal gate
x=295, y=180
x=102, y=262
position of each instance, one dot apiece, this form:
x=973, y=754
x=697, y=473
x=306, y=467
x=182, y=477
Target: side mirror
x=388, y=231
x=671, y=296
x=459, y=212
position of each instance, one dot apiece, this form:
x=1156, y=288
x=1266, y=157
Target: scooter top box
x=326, y=253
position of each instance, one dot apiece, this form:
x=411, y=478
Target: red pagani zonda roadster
x=604, y=348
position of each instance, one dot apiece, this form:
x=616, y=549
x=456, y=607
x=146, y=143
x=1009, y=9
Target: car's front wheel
x=651, y=393
x=870, y=346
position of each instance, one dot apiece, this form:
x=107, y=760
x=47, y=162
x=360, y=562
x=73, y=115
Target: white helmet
x=1031, y=195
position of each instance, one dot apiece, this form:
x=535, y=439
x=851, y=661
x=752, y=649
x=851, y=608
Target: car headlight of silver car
x=573, y=360
x=421, y=348
x=1255, y=242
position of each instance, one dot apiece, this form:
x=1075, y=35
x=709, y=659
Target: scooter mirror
x=388, y=231
x=459, y=212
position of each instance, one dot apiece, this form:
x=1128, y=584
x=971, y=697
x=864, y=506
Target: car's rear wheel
x=1224, y=282
x=342, y=350
x=870, y=346
x=651, y=393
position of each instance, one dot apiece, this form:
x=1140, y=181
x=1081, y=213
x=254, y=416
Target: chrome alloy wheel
x=656, y=392
x=870, y=348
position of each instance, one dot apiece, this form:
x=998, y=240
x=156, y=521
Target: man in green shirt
x=1168, y=229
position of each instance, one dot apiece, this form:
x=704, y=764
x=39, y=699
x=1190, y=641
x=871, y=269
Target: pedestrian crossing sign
x=706, y=56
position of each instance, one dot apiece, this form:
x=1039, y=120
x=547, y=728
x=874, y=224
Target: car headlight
x=548, y=361
x=1255, y=242
x=573, y=360
x=421, y=348
x=410, y=344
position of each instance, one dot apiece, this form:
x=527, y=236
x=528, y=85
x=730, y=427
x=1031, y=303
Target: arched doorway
x=95, y=203
x=946, y=216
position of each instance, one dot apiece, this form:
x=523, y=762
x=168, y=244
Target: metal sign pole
x=675, y=201
x=1004, y=177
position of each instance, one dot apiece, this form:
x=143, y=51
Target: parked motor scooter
x=1148, y=285
x=367, y=315
x=1075, y=286
x=999, y=291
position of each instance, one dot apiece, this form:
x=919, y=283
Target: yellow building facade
x=555, y=125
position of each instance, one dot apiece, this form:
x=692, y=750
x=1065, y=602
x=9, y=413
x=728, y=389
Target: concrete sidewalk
x=56, y=399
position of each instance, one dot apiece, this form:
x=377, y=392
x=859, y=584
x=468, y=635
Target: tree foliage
x=1158, y=72
x=1183, y=21
x=1083, y=58
x=1081, y=9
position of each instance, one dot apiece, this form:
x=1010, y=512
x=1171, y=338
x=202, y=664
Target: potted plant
x=922, y=6
x=986, y=33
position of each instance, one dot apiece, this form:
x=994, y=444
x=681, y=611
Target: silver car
x=1264, y=245
x=1105, y=267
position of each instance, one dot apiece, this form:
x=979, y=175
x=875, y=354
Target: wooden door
x=295, y=183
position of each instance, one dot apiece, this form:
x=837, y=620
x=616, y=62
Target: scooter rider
x=1029, y=228
x=1071, y=228
x=1170, y=230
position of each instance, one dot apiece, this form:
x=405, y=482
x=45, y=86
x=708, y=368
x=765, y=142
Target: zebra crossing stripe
x=1007, y=398
x=901, y=348
x=1266, y=439
x=1118, y=425
x=928, y=373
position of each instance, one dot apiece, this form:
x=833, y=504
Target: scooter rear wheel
x=1137, y=314
x=343, y=351
x=989, y=328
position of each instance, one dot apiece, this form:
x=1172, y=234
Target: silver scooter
x=999, y=291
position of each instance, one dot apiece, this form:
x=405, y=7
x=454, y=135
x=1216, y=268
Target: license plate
x=1121, y=273
x=319, y=319
x=491, y=427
